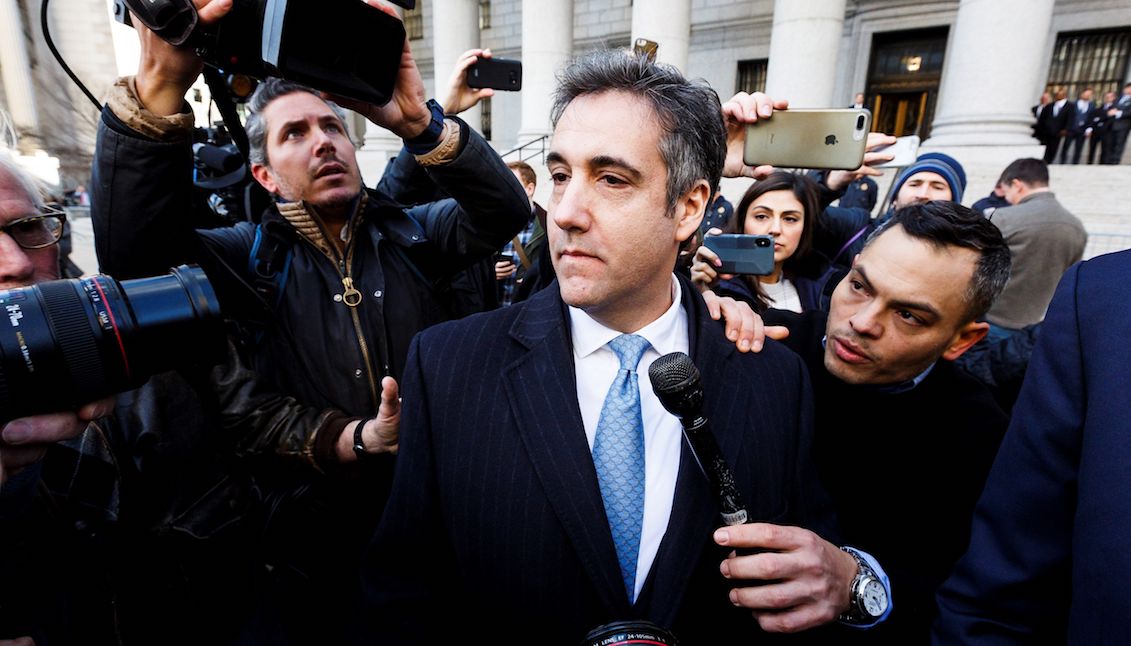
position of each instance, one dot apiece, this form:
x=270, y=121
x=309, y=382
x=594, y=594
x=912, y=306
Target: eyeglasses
x=37, y=231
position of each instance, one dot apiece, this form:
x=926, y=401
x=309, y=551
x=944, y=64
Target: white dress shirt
x=597, y=365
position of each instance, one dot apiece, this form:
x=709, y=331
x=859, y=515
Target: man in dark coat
x=886, y=393
x=510, y=516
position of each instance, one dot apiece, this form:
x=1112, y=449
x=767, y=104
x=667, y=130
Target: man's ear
x=966, y=337
x=262, y=174
x=689, y=210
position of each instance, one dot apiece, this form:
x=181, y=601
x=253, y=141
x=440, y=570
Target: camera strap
x=270, y=260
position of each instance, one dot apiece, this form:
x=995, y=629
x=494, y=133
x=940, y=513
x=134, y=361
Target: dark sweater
x=904, y=471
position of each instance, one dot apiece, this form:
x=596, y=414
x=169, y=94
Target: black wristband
x=358, y=441
x=427, y=140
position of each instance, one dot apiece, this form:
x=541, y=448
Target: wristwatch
x=358, y=441
x=868, y=595
x=427, y=140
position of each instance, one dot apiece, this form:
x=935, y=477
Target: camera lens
x=763, y=242
x=69, y=342
x=620, y=633
x=859, y=122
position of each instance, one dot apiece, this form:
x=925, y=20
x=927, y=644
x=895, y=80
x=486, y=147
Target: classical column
x=547, y=43
x=803, y=47
x=992, y=76
x=18, y=85
x=455, y=29
x=668, y=23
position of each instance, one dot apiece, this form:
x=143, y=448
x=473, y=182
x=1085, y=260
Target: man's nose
x=866, y=321
x=16, y=267
x=571, y=208
x=323, y=143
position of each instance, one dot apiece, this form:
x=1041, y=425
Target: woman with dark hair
x=783, y=205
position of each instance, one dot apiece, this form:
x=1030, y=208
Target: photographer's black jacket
x=317, y=349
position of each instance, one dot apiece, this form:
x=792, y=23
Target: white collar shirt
x=596, y=366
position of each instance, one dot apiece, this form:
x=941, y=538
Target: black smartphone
x=743, y=253
x=496, y=73
x=504, y=257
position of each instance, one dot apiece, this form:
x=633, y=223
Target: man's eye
x=333, y=128
x=908, y=317
x=857, y=285
x=292, y=134
x=559, y=177
x=612, y=181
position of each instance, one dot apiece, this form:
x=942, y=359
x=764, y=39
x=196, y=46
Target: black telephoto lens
x=66, y=343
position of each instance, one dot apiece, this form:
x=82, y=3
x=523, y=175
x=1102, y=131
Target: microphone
x=676, y=382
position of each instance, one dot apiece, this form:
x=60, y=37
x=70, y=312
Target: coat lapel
x=541, y=386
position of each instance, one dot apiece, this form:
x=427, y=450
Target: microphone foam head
x=676, y=381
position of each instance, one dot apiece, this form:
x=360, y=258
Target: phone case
x=743, y=253
x=495, y=73
x=833, y=138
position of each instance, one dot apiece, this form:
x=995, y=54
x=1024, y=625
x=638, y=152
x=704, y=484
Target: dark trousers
x=1118, y=141
x=1073, y=140
x=1051, y=148
x=1098, y=141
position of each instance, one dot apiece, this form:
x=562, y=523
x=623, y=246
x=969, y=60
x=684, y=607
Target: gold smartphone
x=806, y=138
x=646, y=47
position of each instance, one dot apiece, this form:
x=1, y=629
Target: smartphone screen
x=743, y=253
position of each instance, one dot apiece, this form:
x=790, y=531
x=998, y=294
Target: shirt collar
x=663, y=333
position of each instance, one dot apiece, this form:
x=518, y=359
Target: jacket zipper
x=351, y=293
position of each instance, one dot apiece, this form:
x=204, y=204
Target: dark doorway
x=903, y=80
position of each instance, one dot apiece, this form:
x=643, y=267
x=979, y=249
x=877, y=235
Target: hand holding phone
x=833, y=139
x=905, y=151
x=496, y=73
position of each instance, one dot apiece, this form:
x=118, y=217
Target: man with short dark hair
x=342, y=277
x=1044, y=239
x=541, y=488
x=920, y=433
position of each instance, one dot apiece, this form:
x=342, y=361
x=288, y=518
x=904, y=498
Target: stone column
x=455, y=29
x=547, y=44
x=668, y=23
x=991, y=78
x=16, y=67
x=803, y=48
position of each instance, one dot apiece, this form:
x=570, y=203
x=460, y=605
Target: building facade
x=53, y=121
x=961, y=74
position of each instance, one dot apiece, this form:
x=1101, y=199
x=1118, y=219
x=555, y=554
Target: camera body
x=343, y=47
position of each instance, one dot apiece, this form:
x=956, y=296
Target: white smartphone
x=905, y=149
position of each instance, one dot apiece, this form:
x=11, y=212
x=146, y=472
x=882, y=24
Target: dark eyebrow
x=608, y=161
x=906, y=305
x=600, y=161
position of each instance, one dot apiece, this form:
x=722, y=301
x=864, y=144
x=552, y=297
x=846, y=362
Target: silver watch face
x=874, y=598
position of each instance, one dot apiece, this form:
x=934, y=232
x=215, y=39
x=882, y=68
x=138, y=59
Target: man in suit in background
x=1048, y=559
x=1120, y=117
x=1077, y=123
x=1100, y=123
x=541, y=489
x=1053, y=122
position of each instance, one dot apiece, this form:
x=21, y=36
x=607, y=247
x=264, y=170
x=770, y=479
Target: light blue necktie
x=618, y=455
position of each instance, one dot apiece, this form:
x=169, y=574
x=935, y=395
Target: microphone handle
x=706, y=451
x=714, y=466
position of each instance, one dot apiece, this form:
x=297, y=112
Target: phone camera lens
x=762, y=242
x=860, y=122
